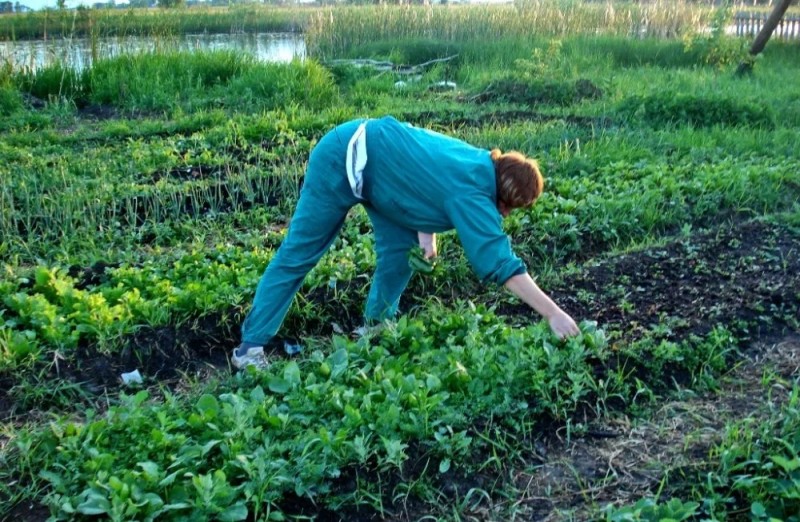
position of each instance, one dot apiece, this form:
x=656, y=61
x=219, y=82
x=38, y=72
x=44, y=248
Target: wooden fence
x=749, y=24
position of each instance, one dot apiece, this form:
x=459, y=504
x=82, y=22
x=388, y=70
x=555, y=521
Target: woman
x=413, y=183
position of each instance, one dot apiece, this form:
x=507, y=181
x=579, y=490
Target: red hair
x=519, y=181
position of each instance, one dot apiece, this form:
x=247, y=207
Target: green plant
x=56, y=82
x=716, y=48
x=652, y=511
x=667, y=108
x=758, y=466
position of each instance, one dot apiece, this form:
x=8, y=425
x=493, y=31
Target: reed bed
x=332, y=31
x=51, y=23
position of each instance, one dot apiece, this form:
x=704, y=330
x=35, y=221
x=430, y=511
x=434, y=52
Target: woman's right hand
x=563, y=325
x=428, y=243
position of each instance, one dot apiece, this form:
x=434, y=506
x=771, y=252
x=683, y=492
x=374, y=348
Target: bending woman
x=413, y=183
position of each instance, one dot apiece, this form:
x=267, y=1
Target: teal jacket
x=430, y=182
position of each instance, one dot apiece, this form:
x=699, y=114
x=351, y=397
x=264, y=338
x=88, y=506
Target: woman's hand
x=523, y=286
x=428, y=243
x=563, y=325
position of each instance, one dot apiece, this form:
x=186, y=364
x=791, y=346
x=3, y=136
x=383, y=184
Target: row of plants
x=583, y=213
x=373, y=410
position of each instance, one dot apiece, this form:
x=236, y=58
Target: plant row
x=442, y=390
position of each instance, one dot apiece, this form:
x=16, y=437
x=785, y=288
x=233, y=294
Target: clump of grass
x=165, y=81
x=10, y=99
x=279, y=85
x=55, y=82
x=548, y=76
x=156, y=81
x=407, y=52
x=669, y=108
x=666, y=53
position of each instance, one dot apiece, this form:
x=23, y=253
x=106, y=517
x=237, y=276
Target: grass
x=143, y=200
x=155, y=23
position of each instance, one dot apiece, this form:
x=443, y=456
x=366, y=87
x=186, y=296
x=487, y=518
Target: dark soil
x=744, y=275
x=674, y=442
x=27, y=512
x=98, y=112
x=161, y=355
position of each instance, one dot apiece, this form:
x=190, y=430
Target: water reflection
x=78, y=52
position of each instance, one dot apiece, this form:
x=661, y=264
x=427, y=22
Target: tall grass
x=332, y=31
x=51, y=23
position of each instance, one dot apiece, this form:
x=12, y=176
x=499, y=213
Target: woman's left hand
x=563, y=325
x=428, y=243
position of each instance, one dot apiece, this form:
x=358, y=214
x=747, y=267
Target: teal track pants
x=325, y=199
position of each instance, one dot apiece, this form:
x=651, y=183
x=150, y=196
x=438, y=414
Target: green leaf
x=150, y=469
x=208, y=405
x=234, y=513
x=257, y=394
x=444, y=466
x=278, y=385
x=338, y=362
x=169, y=479
x=758, y=509
x=94, y=505
x=786, y=464
x=292, y=374
x=54, y=478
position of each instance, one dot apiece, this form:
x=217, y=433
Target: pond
x=78, y=52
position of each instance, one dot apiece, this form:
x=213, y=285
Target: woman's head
x=519, y=181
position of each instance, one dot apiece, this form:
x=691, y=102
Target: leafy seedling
x=418, y=263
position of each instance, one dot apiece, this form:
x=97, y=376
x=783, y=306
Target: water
x=77, y=52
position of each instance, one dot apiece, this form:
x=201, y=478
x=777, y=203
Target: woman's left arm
x=523, y=286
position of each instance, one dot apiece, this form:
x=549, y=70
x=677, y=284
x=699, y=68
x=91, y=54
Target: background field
x=141, y=199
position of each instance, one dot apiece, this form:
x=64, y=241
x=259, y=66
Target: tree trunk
x=764, y=35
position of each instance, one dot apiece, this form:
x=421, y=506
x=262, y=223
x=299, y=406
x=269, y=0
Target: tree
x=764, y=35
x=61, y=4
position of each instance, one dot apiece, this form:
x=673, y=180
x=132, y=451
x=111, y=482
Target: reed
x=83, y=22
x=332, y=31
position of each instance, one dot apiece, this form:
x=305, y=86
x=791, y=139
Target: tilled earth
x=744, y=275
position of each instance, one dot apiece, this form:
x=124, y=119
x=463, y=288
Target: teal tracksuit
x=415, y=180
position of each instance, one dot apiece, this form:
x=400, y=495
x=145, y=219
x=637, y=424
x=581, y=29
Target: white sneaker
x=364, y=331
x=253, y=357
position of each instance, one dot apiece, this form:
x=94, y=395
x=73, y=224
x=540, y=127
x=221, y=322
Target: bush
x=668, y=108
